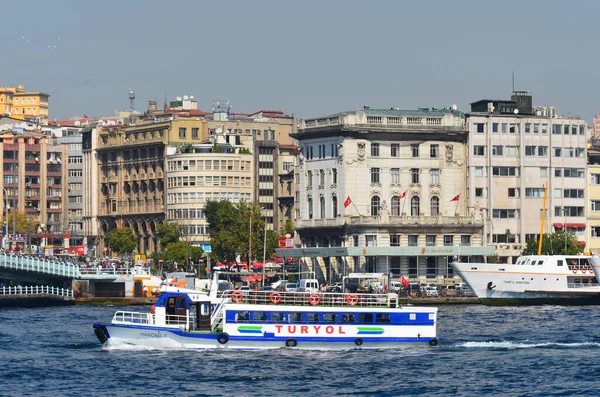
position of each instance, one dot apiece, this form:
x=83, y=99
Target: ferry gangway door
x=176, y=309
x=200, y=316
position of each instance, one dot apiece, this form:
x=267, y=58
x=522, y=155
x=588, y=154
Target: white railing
x=99, y=270
x=39, y=265
x=36, y=290
x=170, y=320
x=581, y=285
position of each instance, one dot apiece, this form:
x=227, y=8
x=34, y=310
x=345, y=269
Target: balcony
x=394, y=221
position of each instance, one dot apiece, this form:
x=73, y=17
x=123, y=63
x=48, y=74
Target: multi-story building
x=596, y=130
x=90, y=186
x=71, y=138
x=513, y=151
x=593, y=201
x=198, y=173
x=384, y=191
x=16, y=102
x=131, y=161
x=33, y=181
x=284, y=188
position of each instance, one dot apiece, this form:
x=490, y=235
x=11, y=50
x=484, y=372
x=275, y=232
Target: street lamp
x=565, y=211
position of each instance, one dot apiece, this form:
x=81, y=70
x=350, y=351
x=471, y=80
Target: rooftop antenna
x=513, y=80
x=131, y=104
x=165, y=104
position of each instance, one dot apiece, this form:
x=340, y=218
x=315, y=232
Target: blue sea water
x=516, y=351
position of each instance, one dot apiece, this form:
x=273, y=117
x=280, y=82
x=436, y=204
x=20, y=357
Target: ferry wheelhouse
x=533, y=279
x=271, y=320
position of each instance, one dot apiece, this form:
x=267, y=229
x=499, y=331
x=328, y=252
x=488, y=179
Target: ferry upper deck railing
x=34, y=264
x=312, y=298
x=145, y=318
x=36, y=290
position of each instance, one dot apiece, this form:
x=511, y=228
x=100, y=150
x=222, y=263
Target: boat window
x=242, y=317
x=330, y=318
x=382, y=318
x=540, y=262
x=278, y=317
x=559, y=262
x=181, y=303
x=204, y=309
x=584, y=262
x=348, y=318
x=294, y=317
x=312, y=317
x=572, y=262
x=259, y=317
x=365, y=318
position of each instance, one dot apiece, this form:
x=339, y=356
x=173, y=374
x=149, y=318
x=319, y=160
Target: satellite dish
x=192, y=97
x=185, y=97
x=178, y=98
x=516, y=111
x=454, y=107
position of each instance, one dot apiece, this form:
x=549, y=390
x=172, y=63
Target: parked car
x=268, y=288
x=464, y=291
x=335, y=287
x=414, y=290
x=450, y=290
x=431, y=291
x=290, y=287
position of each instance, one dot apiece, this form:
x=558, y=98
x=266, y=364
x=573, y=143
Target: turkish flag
x=347, y=202
x=455, y=198
x=402, y=195
x=405, y=282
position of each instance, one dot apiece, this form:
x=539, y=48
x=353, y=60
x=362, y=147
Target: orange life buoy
x=583, y=270
x=351, y=299
x=574, y=270
x=314, y=299
x=275, y=297
x=152, y=309
x=237, y=296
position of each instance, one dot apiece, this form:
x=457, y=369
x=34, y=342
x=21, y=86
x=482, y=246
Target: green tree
x=168, y=232
x=230, y=227
x=24, y=224
x=558, y=243
x=288, y=228
x=122, y=240
x=181, y=252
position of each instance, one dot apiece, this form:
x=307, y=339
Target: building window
x=478, y=192
x=595, y=205
x=310, y=208
x=415, y=206
x=434, y=151
x=557, y=152
x=448, y=241
x=414, y=175
x=435, y=176
x=495, y=127
x=395, y=173
x=375, y=204
x=374, y=175
x=530, y=150
x=322, y=203
x=334, y=204
x=479, y=127
x=395, y=150
x=194, y=133
x=375, y=149
x=434, y=206
x=414, y=148
x=478, y=171
x=395, y=206
x=465, y=241
x=542, y=151
x=334, y=175
x=321, y=177
x=413, y=240
x=309, y=179
x=430, y=240
x=478, y=150
x=371, y=240
x=595, y=179
x=394, y=240
x=497, y=150
x=182, y=132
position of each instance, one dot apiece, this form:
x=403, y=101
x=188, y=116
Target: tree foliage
x=288, y=228
x=122, y=240
x=168, y=232
x=230, y=227
x=24, y=224
x=181, y=252
x=557, y=243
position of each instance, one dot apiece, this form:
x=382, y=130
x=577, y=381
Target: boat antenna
x=543, y=217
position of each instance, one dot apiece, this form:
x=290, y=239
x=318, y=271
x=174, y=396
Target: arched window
x=395, y=206
x=322, y=202
x=375, y=203
x=334, y=205
x=434, y=205
x=310, y=208
x=415, y=206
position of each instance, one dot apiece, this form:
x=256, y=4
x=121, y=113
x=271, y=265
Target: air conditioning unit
x=28, y=184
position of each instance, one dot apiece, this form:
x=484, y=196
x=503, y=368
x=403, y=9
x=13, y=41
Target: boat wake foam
x=522, y=345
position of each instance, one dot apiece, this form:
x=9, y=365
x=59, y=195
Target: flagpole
x=358, y=212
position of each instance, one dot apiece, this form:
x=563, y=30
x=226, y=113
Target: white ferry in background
x=534, y=279
x=271, y=320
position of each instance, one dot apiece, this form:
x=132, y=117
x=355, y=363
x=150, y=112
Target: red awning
x=569, y=225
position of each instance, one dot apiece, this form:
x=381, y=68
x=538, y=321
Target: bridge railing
x=36, y=290
x=99, y=270
x=39, y=265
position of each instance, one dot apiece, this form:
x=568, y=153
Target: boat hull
x=118, y=335
x=535, y=300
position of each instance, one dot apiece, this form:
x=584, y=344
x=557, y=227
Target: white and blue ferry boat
x=271, y=320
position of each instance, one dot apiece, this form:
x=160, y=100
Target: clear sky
x=310, y=58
